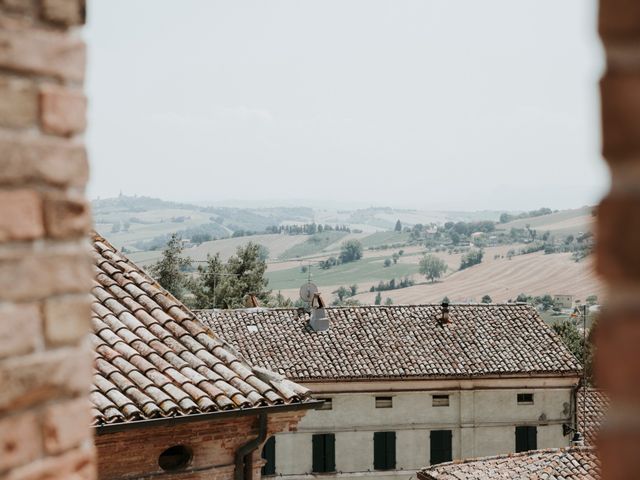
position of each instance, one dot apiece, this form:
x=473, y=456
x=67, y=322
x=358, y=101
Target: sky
x=431, y=104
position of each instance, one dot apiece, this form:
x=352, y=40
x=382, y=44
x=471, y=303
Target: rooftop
x=154, y=359
x=591, y=410
x=368, y=342
x=561, y=463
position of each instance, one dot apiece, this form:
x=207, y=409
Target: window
x=175, y=458
x=440, y=448
x=269, y=454
x=439, y=400
x=525, y=399
x=384, y=402
x=384, y=450
x=526, y=438
x=327, y=405
x=324, y=452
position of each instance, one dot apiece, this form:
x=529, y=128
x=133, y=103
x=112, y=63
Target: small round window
x=175, y=458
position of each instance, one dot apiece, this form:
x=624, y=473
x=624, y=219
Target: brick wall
x=45, y=268
x=134, y=453
x=618, y=234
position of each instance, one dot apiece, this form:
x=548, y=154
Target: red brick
x=20, y=215
x=41, y=52
x=620, y=93
x=66, y=215
x=19, y=440
x=62, y=111
x=53, y=161
x=37, y=276
x=619, y=19
x=66, y=425
x=77, y=464
x=18, y=102
x=20, y=328
x=618, y=234
x=40, y=377
x=66, y=319
x=64, y=12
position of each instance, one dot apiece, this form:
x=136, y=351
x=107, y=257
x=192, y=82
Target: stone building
x=170, y=398
x=408, y=386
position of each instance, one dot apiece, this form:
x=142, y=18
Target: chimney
x=445, y=312
x=251, y=301
x=319, y=321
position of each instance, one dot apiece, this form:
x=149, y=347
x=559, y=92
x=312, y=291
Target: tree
x=169, y=270
x=387, y=262
x=432, y=267
x=573, y=339
x=592, y=300
x=388, y=301
x=342, y=293
x=486, y=299
x=350, y=251
x=378, y=299
x=445, y=300
x=455, y=238
x=353, y=289
x=225, y=285
x=473, y=257
x=398, y=226
x=523, y=298
x=395, y=257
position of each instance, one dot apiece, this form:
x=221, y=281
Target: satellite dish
x=307, y=291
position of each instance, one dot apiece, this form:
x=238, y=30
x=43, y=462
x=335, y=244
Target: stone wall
x=618, y=235
x=45, y=268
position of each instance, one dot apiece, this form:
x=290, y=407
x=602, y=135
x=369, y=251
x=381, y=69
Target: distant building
x=563, y=301
x=170, y=398
x=561, y=463
x=408, y=386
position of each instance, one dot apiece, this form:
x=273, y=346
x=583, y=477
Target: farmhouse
x=560, y=463
x=169, y=396
x=408, y=386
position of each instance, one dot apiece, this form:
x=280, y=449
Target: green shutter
x=391, y=450
x=269, y=454
x=318, y=453
x=440, y=446
x=379, y=450
x=532, y=440
x=330, y=453
x=521, y=439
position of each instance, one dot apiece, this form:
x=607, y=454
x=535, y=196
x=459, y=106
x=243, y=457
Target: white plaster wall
x=482, y=423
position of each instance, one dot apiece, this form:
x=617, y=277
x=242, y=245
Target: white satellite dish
x=307, y=291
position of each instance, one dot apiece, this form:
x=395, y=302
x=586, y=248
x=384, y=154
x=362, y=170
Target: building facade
x=409, y=386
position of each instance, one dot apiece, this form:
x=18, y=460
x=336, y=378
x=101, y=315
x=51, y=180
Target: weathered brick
x=54, y=161
x=19, y=440
x=620, y=94
x=18, y=102
x=65, y=425
x=64, y=12
x=21, y=215
x=619, y=19
x=20, y=328
x=43, y=376
x=39, y=275
x=78, y=464
x=41, y=52
x=62, y=111
x=618, y=234
x=20, y=6
x=66, y=318
x=66, y=215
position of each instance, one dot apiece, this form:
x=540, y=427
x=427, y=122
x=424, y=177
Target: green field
x=384, y=238
x=313, y=245
x=365, y=270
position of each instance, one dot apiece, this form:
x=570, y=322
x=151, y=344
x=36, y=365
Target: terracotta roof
x=396, y=341
x=154, y=359
x=560, y=463
x=592, y=409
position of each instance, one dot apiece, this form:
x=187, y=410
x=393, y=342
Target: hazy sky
x=432, y=104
